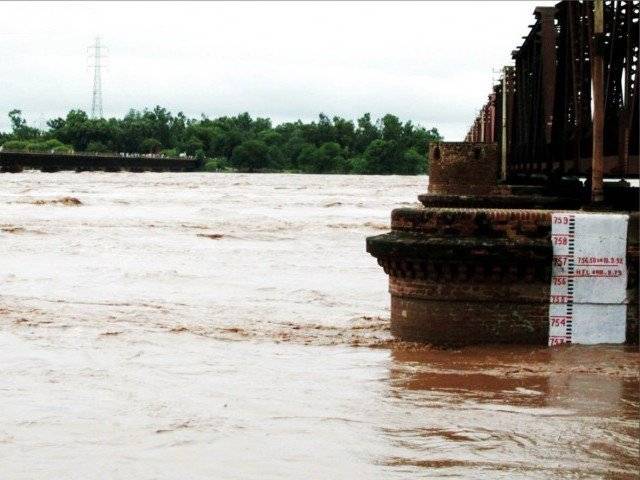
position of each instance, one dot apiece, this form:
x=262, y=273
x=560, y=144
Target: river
x=194, y=325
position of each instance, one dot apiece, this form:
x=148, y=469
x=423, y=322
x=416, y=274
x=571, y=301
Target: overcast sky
x=429, y=62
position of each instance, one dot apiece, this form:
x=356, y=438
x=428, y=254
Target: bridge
x=54, y=162
x=509, y=246
x=541, y=114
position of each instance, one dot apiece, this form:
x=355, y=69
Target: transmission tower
x=97, y=55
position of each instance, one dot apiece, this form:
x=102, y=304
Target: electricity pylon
x=96, y=103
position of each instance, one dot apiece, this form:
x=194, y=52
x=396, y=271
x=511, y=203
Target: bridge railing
x=100, y=154
x=16, y=161
x=541, y=111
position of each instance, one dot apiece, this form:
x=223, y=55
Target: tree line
x=239, y=143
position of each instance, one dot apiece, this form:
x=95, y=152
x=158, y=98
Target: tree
x=344, y=131
x=192, y=146
x=307, y=158
x=358, y=165
x=270, y=137
x=277, y=161
x=200, y=157
x=326, y=145
x=150, y=145
x=74, y=130
x=330, y=158
x=365, y=133
x=17, y=122
x=160, y=120
x=391, y=128
x=19, y=126
x=250, y=156
x=292, y=148
x=97, y=147
x=55, y=125
x=381, y=156
x=413, y=163
x=324, y=131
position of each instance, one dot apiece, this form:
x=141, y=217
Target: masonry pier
x=508, y=247
x=473, y=265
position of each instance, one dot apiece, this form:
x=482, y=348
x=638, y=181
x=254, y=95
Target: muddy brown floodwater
x=173, y=326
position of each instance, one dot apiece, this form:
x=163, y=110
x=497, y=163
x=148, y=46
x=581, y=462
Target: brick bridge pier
x=474, y=264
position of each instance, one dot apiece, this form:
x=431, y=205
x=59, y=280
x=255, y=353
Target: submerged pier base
x=474, y=264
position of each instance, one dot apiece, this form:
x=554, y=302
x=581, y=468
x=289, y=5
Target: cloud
x=429, y=62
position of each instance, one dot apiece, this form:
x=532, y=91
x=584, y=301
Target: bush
x=308, y=158
x=413, y=163
x=63, y=149
x=97, y=147
x=217, y=164
x=150, y=145
x=250, y=156
x=53, y=144
x=193, y=145
x=37, y=147
x=18, y=145
x=277, y=161
x=359, y=165
x=382, y=157
x=169, y=152
x=211, y=166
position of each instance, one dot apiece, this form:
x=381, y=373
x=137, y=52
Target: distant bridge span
x=54, y=162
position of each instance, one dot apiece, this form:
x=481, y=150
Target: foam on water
x=202, y=326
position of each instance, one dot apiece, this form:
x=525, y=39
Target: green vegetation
x=240, y=143
x=37, y=145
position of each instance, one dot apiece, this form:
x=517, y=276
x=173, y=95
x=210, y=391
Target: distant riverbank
x=240, y=143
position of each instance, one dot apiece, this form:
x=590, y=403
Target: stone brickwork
x=460, y=274
x=460, y=168
x=481, y=309
x=446, y=323
x=467, y=222
x=465, y=276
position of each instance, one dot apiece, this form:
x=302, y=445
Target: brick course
x=463, y=276
x=459, y=274
x=460, y=168
x=464, y=322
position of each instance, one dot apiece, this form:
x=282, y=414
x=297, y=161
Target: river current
x=232, y=326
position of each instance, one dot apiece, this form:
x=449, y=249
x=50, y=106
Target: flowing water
x=177, y=326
